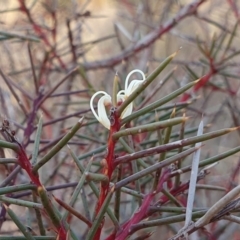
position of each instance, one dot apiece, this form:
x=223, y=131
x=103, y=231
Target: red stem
x=202, y=82
x=27, y=166
x=233, y=5
x=141, y=213
x=38, y=30
x=109, y=167
x=62, y=234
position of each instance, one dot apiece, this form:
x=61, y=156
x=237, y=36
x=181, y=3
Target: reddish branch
x=27, y=166
x=233, y=5
x=146, y=41
x=70, y=37
x=109, y=164
x=203, y=80
x=141, y=213
x=39, y=31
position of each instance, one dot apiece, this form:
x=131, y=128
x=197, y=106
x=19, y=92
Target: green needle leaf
x=37, y=141
x=21, y=202
x=173, y=145
x=149, y=127
x=58, y=146
x=78, y=189
x=18, y=222
x=98, y=220
x=158, y=103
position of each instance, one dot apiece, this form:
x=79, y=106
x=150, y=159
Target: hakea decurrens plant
x=106, y=100
x=104, y=103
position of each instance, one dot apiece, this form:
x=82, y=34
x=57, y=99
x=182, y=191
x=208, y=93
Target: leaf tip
x=234, y=129
x=196, y=81
x=81, y=119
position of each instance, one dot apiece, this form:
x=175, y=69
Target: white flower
x=122, y=95
x=129, y=89
x=134, y=83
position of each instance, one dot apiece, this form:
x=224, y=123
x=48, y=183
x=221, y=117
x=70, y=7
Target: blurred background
x=42, y=41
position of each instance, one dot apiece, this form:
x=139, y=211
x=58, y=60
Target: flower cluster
x=106, y=100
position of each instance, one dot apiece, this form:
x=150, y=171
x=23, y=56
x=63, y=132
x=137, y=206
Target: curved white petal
x=121, y=97
x=91, y=103
x=132, y=86
x=122, y=92
x=135, y=83
x=102, y=114
x=127, y=111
